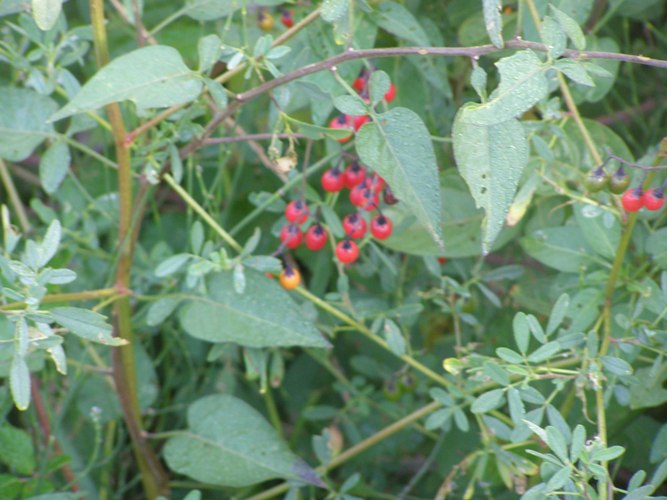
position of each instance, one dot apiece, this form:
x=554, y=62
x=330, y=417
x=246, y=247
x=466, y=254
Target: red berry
x=442, y=260
x=363, y=197
x=391, y=93
x=632, y=199
x=347, y=251
x=375, y=182
x=354, y=226
x=381, y=227
x=343, y=122
x=296, y=211
x=316, y=237
x=354, y=174
x=653, y=199
x=333, y=180
x=291, y=235
x=360, y=121
x=359, y=83
x=287, y=19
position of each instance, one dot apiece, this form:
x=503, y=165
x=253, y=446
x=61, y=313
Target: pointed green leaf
x=229, y=443
x=19, y=382
x=522, y=85
x=46, y=12
x=493, y=21
x=263, y=315
x=86, y=324
x=151, y=77
x=490, y=159
x=398, y=147
x=23, y=124
x=571, y=28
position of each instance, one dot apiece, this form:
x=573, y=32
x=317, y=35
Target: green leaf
x=606, y=454
x=229, y=443
x=578, y=442
x=575, y=71
x=556, y=441
x=316, y=132
x=46, y=12
x=493, y=21
x=209, y=10
x=461, y=225
x=558, y=480
x=398, y=147
x=400, y=22
x=616, y=366
x=521, y=331
x=438, y=418
x=378, y=85
x=86, y=324
x=209, y=49
x=16, y=449
x=496, y=373
x=558, y=312
x=516, y=407
x=54, y=165
x=350, y=105
x=394, y=337
x=571, y=28
x=263, y=316
x=161, y=309
x=553, y=37
x=488, y=401
x=522, y=84
x=563, y=248
x=656, y=246
x=491, y=159
x=509, y=355
x=544, y=352
x=334, y=10
x=151, y=77
x=49, y=246
x=19, y=382
x=23, y=124
x=171, y=264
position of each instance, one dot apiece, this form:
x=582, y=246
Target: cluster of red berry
x=365, y=189
x=634, y=198
x=354, y=123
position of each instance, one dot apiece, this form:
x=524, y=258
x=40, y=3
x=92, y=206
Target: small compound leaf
x=398, y=147
x=49, y=246
x=161, y=309
x=229, y=443
x=263, y=316
x=491, y=159
x=151, y=77
x=488, y=401
x=86, y=324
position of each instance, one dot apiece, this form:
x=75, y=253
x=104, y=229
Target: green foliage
x=507, y=340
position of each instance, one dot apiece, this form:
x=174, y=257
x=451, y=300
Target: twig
x=211, y=141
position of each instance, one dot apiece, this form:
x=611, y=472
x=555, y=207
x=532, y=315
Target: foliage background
x=553, y=342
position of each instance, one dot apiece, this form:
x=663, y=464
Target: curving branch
x=351, y=55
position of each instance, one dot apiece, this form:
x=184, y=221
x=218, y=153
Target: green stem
x=361, y=328
x=14, y=197
x=153, y=475
x=65, y=297
x=202, y=213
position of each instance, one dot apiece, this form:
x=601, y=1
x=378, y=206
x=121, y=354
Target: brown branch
x=351, y=55
x=211, y=141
